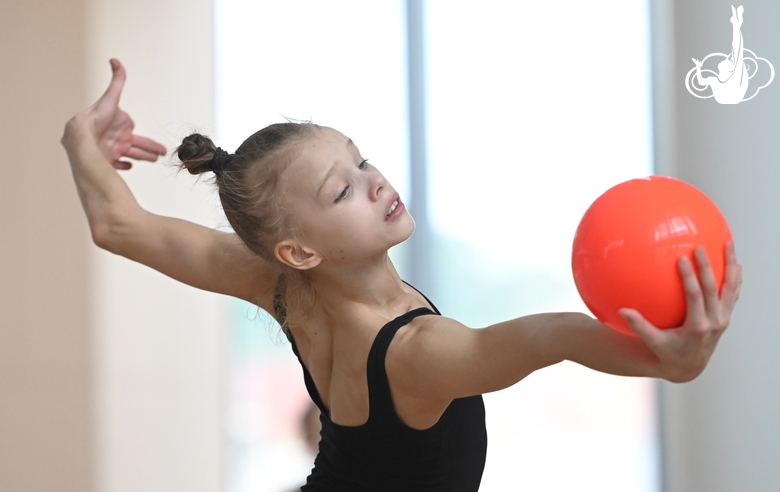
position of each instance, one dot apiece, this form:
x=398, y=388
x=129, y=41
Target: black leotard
x=386, y=455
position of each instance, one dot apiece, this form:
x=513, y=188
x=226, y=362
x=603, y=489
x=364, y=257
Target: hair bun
x=221, y=161
x=198, y=154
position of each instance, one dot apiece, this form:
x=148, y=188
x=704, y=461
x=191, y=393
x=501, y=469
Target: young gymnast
x=398, y=384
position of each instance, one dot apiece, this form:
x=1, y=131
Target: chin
x=407, y=231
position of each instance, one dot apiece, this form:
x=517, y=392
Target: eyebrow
x=330, y=171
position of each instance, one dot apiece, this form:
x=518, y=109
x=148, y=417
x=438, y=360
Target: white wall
x=722, y=431
x=159, y=345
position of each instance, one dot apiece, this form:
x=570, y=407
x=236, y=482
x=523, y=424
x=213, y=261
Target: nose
x=376, y=184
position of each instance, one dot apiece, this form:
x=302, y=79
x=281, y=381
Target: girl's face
x=345, y=208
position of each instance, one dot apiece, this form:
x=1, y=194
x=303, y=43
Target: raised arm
x=97, y=141
x=440, y=359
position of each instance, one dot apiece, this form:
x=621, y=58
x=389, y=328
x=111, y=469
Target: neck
x=375, y=285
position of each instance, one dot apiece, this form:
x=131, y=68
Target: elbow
x=102, y=236
x=108, y=230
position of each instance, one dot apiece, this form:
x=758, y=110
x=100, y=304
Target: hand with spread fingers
x=684, y=352
x=111, y=128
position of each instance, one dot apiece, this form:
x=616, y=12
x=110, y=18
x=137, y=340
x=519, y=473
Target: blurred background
x=499, y=122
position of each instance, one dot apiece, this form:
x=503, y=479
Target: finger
x=114, y=90
x=141, y=154
x=122, y=165
x=693, y=295
x=732, y=281
x=730, y=253
x=707, y=280
x=739, y=283
x=149, y=145
x=639, y=325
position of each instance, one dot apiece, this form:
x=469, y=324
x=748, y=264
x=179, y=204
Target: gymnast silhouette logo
x=735, y=71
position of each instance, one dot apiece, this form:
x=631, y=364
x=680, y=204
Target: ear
x=296, y=255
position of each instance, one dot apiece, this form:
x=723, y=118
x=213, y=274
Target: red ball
x=629, y=241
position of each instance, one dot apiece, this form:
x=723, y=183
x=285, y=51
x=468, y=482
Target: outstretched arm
x=98, y=141
x=701, y=80
x=442, y=359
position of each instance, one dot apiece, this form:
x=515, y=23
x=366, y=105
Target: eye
x=343, y=194
x=363, y=164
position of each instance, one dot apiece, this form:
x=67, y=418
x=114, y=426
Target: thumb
x=110, y=98
x=640, y=325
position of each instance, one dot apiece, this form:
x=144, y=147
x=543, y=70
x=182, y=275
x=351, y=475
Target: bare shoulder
x=425, y=353
x=439, y=358
x=419, y=367
x=424, y=332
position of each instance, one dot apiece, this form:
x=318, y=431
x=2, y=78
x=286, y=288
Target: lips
x=395, y=208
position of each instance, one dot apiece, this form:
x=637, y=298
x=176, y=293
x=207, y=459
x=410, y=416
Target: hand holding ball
x=629, y=241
